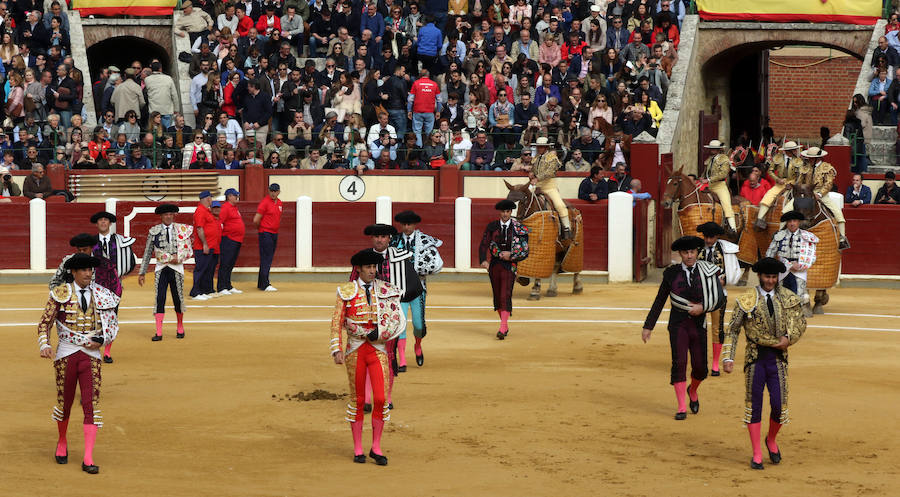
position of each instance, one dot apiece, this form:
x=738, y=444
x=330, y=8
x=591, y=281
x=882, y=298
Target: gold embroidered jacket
x=763, y=330
x=717, y=168
x=823, y=178
x=546, y=165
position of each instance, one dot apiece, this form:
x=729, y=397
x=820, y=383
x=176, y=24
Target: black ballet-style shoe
x=107, y=359
x=694, y=404
x=775, y=457
x=714, y=373
x=179, y=335
x=391, y=406
x=367, y=408
x=501, y=335
x=756, y=465
x=680, y=416
x=93, y=469
x=359, y=458
x=65, y=459
x=156, y=338
x=401, y=369
x=379, y=459
x=420, y=360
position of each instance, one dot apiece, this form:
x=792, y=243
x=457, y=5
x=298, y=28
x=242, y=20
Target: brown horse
x=695, y=206
x=532, y=202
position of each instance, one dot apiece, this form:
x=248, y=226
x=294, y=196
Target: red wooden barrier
x=76, y=218
x=438, y=220
x=641, y=259
x=663, y=216
x=593, y=215
x=337, y=231
x=839, y=158
x=874, y=233
x=16, y=236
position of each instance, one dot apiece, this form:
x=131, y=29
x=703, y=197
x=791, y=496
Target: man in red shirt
x=208, y=232
x=423, y=106
x=754, y=187
x=267, y=220
x=232, y=238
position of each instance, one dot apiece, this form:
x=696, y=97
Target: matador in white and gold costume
x=717, y=169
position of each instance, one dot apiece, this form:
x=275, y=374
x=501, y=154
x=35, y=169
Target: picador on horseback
x=544, y=170
x=716, y=172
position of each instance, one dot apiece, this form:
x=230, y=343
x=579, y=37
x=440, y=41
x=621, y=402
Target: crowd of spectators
x=387, y=84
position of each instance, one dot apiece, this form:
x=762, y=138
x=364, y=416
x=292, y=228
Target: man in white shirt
x=375, y=129
x=459, y=148
x=228, y=19
x=116, y=260
x=231, y=128
x=170, y=243
x=83, y=313
x=197, y=83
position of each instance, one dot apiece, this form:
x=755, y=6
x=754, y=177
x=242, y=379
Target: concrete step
x=884, y=134
x=880, y=169
x=882, y=153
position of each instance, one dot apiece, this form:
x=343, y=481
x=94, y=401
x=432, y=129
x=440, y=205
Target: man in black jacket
x=523, y=112
x=694, y=288
x=257, y=112
x=453, y=111
x=593, y=188
x=396, y=89
x=62, y=88
x=621, y=180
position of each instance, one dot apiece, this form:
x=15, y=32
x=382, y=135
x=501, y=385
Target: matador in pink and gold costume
x=85, y=319
x=368, y=312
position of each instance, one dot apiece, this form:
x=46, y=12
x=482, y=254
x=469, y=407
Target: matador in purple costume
x=773, y=320
x=116, y=261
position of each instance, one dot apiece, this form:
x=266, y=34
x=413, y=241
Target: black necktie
x=105, y=248
x=83, y=300
x=168, y=240
x=770, y=305
x=368, y=293
x=691, y=275
x=503, y=232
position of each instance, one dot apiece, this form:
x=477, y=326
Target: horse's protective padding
x=824, y=272
x=573, y=260
x=543, y=229
x=752, y=241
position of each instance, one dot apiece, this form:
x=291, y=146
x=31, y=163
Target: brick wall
x=801, y=100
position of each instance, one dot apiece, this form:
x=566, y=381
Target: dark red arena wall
x=16, y=236
x=594, y=217
x=439, y=221
x=337, y=231
x=65, y=221
x=874, y=233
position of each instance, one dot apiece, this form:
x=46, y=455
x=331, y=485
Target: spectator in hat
x=192, y=22
x=268, y=222
x=207, y=236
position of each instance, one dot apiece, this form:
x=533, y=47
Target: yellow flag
x=845, y=11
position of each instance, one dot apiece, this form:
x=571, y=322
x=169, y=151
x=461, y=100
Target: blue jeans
x=166, y=120
x=397, y=119
x=421, y=119
x=314, y=45
x=267, y=244
x=65, y=118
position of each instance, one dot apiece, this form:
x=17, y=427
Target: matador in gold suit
x=820, y=175
x=773, y=320
x=544, y=170
x=783, y=170
x=716, y=174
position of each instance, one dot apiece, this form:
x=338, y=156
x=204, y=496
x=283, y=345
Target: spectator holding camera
x=8, y=188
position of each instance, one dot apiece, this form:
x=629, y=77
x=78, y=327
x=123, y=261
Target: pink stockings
x=754, y=429
x=159, y=322
x=90, y=438
x=401, y=351
x=504, y=321
x=369, y=370
x=62, y=446
x=680, y=394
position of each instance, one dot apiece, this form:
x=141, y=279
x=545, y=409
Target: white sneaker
x=200, y=297
x=234, y=291
x=213, y=295
x=270, y=288
x=224, y=292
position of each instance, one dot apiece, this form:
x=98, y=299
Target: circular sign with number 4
x=352, y=188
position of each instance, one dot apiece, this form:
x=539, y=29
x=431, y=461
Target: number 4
x=352, y=188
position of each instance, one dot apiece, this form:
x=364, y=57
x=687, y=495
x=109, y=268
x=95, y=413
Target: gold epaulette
x=61, y=293
x=748, y=300
x=789, y=298
x=347, y=290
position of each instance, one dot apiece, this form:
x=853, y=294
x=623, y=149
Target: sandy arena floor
x=572, y=403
